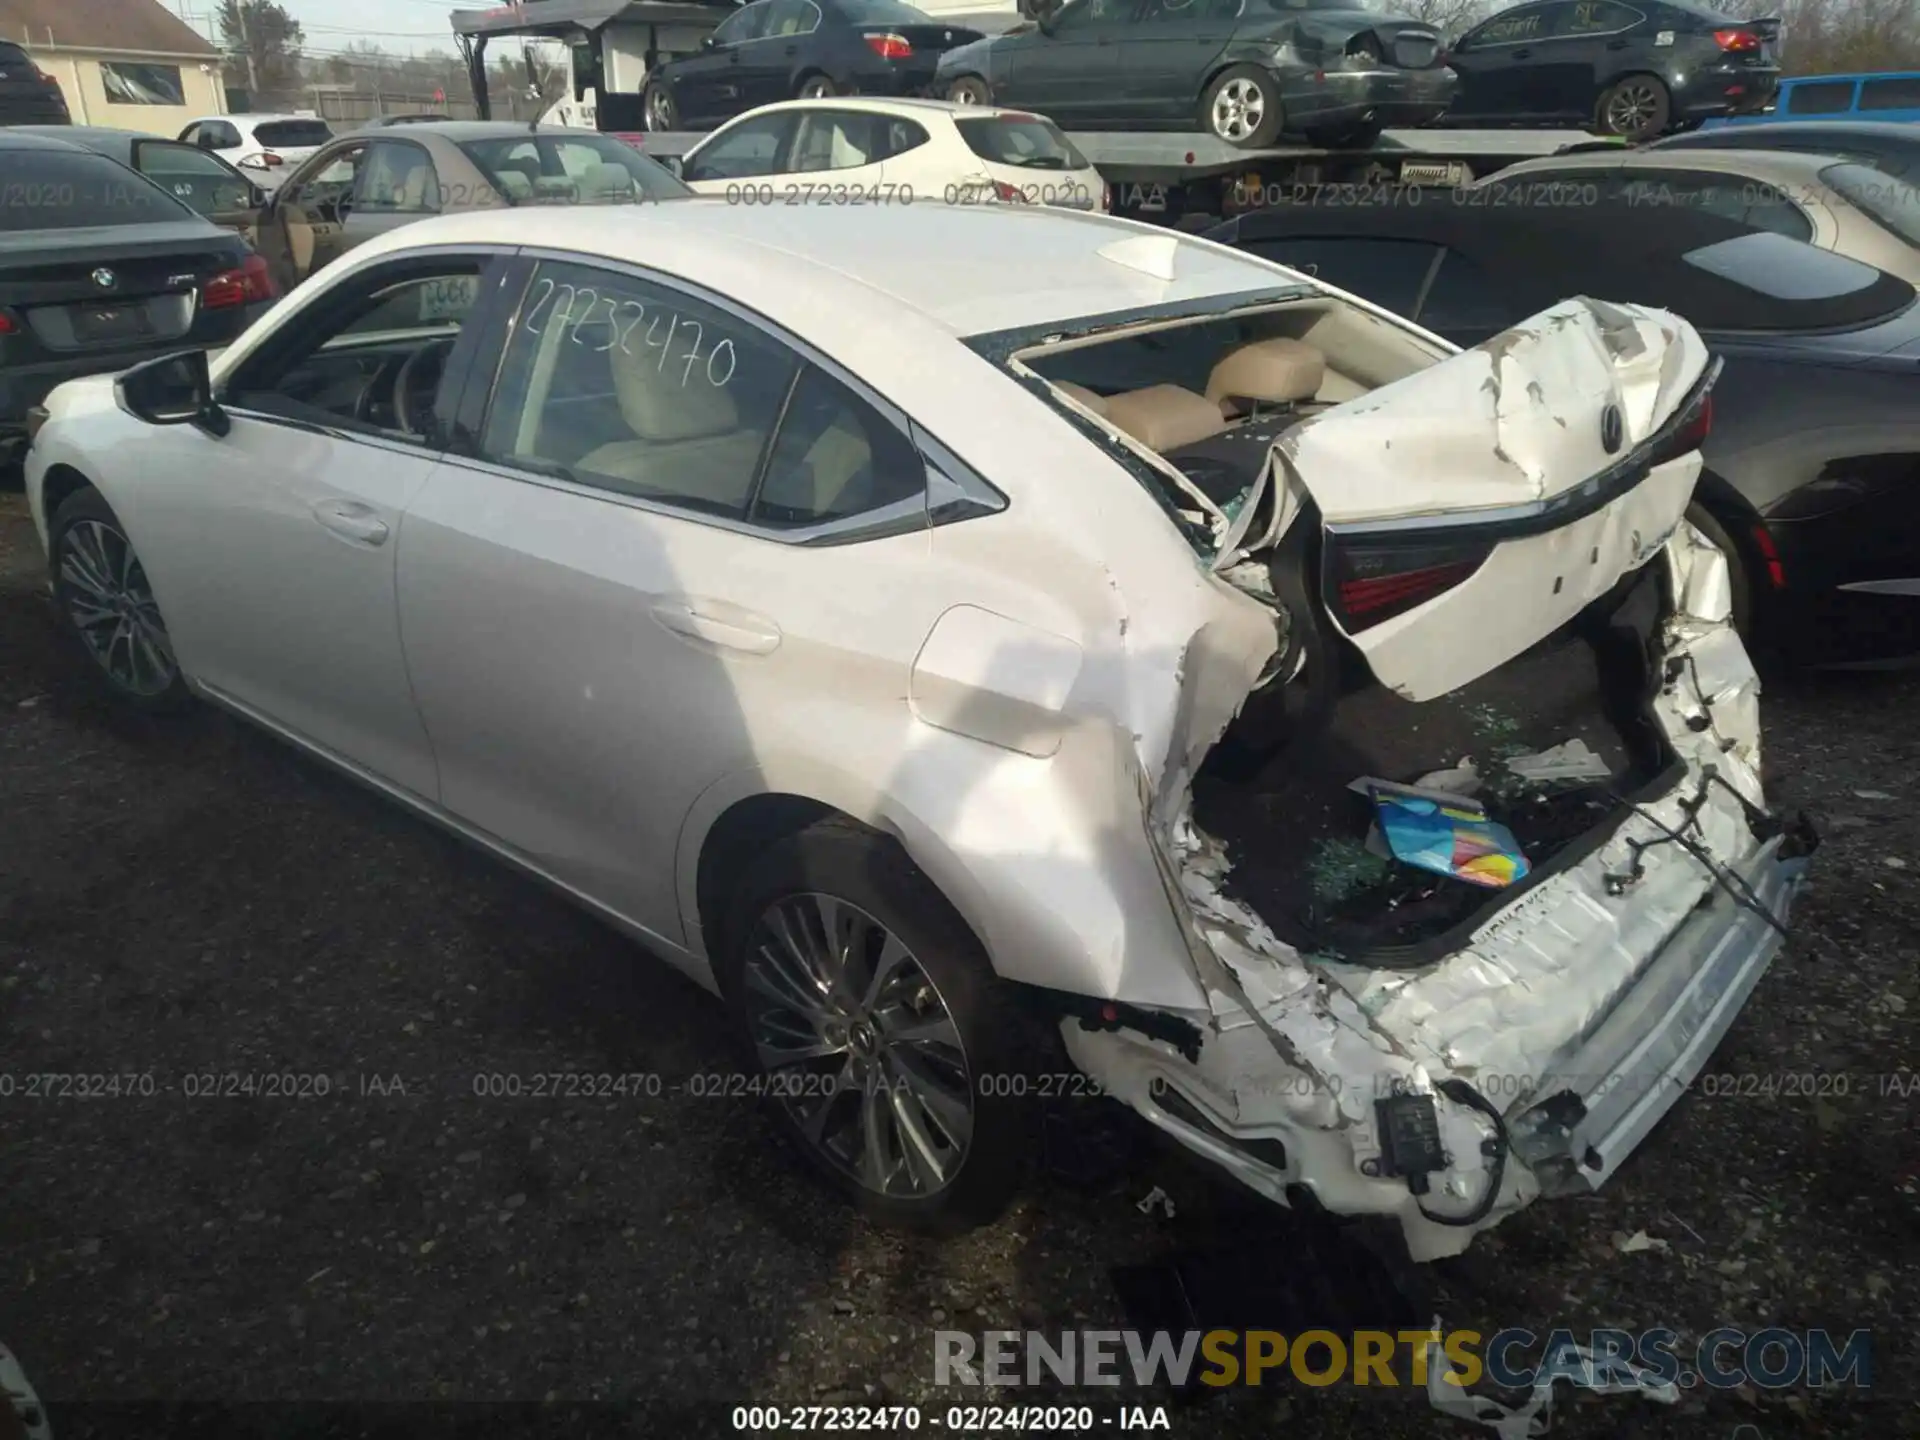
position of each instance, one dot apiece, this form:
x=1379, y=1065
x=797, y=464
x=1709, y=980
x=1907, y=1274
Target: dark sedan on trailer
x=1245, y=71
x=800, y=50
x=100, y=269
x=1812, y=478
x=1634, y=70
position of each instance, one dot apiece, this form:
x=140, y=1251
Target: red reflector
x=6, y=324
x=1736, y=40
x=1736, y=89
x=1362, y=597
x=1010, y=193
x=1769, y=552
x=244, y=286
x=890, y=47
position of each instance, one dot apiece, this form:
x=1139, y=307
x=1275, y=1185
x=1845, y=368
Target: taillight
x=890, y=47
x=1736, y=40
x=1692, y=433
x=263, y=157
x=250, y=283
x=6, y=323
x=1368, y=583
x=1012, y=194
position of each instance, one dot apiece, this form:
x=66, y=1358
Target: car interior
x=1208, y=397
x=383, y=368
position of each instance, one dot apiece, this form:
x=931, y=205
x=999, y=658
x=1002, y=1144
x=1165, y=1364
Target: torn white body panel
x=1614, y=994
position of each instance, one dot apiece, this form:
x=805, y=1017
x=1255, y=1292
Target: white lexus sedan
x=982, y=646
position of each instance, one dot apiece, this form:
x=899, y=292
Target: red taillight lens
x=244, y=286
x=1368, y=584
x=1010, y=193
x=890, y=47
x=1736, y=40
x=6, y=323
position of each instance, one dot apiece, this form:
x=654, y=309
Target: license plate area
x=103, y=324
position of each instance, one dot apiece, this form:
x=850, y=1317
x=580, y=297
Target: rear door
x=1073, y=72
x=304, y=226
x=622, y=597
x=1588, y=43
x=1168, y=53
x=840, y=152
x=769, y=65
x=1550, y=464
x=202, y=181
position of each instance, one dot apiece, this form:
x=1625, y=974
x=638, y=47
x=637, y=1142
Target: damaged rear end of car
x=1490, y=617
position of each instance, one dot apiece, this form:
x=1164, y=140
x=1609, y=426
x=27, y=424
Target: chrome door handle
x=746, y=632
x=353, y=520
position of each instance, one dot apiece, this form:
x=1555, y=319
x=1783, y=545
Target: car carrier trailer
x=1169, y=177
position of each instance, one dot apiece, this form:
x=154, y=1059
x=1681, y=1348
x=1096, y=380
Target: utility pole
x=246, y=40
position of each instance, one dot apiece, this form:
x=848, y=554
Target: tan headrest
x=1083, y=395
x=1165, y=417
x=1275, y=372
x=657, y=407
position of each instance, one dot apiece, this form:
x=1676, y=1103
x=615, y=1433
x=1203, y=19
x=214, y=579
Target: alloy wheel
x=659, y=112
x=859, y=1045
x=106, y=595
x=1238, y=109
x=1631, y=109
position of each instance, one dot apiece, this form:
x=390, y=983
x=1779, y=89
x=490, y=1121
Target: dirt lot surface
x=191, y=899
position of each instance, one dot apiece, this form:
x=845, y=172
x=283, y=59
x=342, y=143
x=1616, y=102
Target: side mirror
x=707, y=42
x=172, y=390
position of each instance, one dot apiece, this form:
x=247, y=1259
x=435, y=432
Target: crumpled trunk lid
x=1516, y=482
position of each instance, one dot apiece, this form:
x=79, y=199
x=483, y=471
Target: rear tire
x=1635, y=108
x=661, y=110
x=970, y=90
x=104, y=599
x=914, y=1108
x=1242, y=107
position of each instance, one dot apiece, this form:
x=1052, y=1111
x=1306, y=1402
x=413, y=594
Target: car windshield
x=1026, y=141
x=51, y=190
x=1891, y=201
x=571, y=170
x=293, y=133
x=881, y=12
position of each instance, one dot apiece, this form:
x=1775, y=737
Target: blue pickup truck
x=1887, y=95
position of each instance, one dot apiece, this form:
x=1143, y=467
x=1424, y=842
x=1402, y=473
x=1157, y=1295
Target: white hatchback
x=851, y=150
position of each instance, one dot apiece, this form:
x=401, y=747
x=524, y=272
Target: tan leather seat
x=1165, y=417
x=1279, y=371
x=687, y=439
x=1096, y=403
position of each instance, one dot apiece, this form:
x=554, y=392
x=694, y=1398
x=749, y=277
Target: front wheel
x=1242, y=107
x=1636, y=108
x=103, y=596
x=661, y=109
x=890, y=1051
x=969, y=90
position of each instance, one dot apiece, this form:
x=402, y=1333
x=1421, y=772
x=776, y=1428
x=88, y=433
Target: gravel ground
x=190, y=897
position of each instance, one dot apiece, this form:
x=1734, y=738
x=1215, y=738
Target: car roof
x=1733, y=136
x=906, y=107
x=830, y=269
x=1611, y=249
x=16, y=137
x=1781, y=164
x=481, y=129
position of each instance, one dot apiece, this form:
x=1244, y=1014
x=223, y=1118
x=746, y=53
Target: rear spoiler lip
x=1515, y=522
x=1767, y=27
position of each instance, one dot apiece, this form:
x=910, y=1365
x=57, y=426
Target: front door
x=605, y=611
x=298, y=509
x=201, y=181
x=304, y=225
x=1169, y=53
x=1493, y=65
x=1073, y=71
x=1563, y=80
x=751, y=149
x=708, y=86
